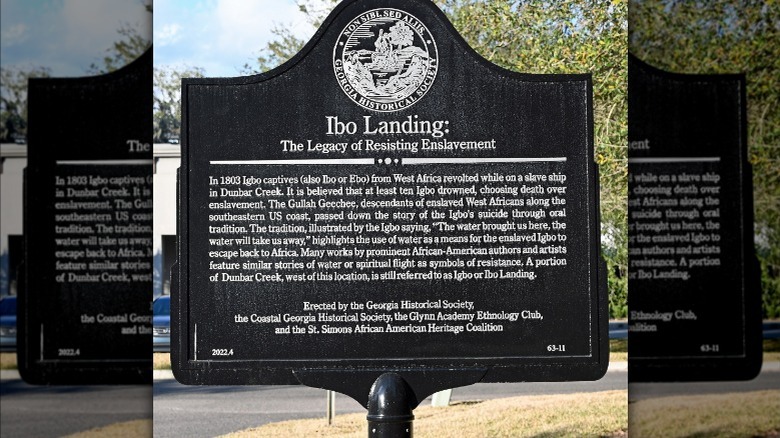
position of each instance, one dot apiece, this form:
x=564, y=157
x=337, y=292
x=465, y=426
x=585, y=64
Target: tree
x=729, y=36
x=285, y=44
x=167, y=99
x=13, y=85
x=283, y=47
x=13, y=100
x=129, y=47
x=401, y=35
x=570, y=36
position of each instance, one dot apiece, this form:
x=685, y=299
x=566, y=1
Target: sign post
x=388, y=215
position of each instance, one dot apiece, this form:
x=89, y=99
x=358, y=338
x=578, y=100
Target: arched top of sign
x=385, y=60
x=382, y=95
x=635, y=62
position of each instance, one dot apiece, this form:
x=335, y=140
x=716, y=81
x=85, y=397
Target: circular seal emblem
x=385, y=60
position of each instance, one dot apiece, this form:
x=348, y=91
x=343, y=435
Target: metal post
x=331, y=406
x=390, y=408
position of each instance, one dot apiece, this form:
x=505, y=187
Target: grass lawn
x=7, y=361
x=748, y=414
x=162, y=361
x=118, y=430
x=602, y=414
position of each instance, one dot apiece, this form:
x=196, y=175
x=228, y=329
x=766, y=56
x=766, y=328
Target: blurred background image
x=59, y=39
x=726, y=330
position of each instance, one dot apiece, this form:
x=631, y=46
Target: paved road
x=765, y=380
x=205, y=411
x=208, y=411
x=53, y=411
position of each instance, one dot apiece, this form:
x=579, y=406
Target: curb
x=10, y=375
x=619, y=367
x=162, y=375
x=770, y=367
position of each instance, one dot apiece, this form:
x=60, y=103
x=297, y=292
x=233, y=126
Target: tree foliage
x=729, y=36
x=131, y=45
x=167, y=99
x=568, y=36
x=283, y=47
x=544, y=36
x=285, y=44
x=13, y=100
x=13, y=80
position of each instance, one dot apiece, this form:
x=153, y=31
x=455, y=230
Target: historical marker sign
x=388, y=200
x=84, y=311
x=695, y=311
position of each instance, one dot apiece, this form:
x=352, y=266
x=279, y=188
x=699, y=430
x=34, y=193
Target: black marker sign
x=388, y=200
x=84, y=309
x=695, y=306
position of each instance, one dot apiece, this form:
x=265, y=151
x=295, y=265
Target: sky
x=66, y=36
x=220, y=36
